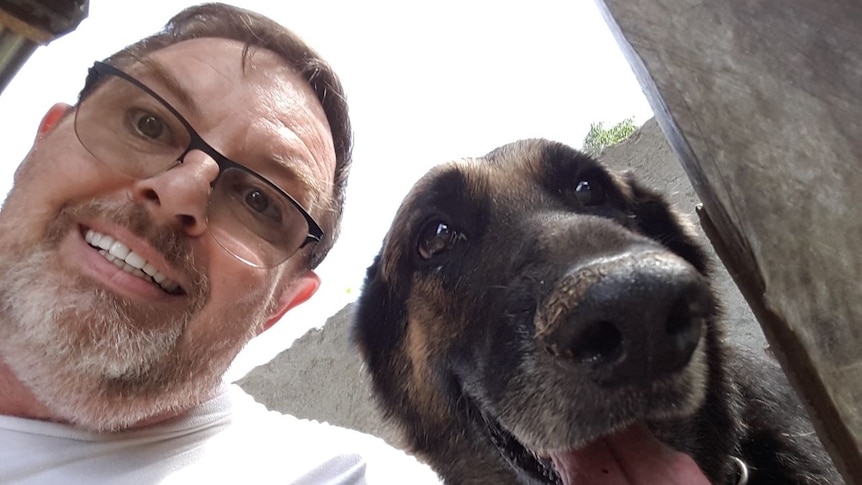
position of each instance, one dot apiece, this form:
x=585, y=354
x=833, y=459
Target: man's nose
x=179, y=196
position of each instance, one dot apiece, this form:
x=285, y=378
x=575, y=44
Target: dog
x=534, y=318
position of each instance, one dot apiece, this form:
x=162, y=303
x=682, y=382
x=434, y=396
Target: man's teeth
x=128, y=260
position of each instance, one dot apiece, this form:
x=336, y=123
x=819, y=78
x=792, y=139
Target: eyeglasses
x=127, y=126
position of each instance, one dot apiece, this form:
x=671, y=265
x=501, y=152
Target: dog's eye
x=437, y=237
x=590, y=192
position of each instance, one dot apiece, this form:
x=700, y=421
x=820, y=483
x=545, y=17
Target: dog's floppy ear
x=378, y=330
x=380, y=316
x=655, y=218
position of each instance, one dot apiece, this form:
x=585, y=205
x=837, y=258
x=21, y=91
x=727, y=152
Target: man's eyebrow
x=157, y=70
x=307, y=187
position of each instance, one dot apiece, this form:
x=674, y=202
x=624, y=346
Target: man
x=175, y=212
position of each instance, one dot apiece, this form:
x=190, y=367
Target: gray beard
x=92, y=358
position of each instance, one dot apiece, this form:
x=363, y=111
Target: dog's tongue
x=630, y=457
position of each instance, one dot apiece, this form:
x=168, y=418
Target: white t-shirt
x=228, y=439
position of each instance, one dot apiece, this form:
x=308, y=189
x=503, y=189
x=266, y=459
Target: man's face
x=106, y=348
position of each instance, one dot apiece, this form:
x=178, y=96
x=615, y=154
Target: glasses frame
x=100, y=70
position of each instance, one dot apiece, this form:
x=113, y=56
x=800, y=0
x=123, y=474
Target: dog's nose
x=628, y=319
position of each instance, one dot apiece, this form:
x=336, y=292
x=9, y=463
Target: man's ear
x=302, y=288
x=51, y=119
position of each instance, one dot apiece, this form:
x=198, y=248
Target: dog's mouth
x=631, y=456
x=519, y=457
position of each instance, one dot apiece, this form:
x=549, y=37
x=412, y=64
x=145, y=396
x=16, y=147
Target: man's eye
x=261, y=203
x=257, y=200
x=151, y=127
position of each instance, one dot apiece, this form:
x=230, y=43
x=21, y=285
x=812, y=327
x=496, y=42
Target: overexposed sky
x=427, y=82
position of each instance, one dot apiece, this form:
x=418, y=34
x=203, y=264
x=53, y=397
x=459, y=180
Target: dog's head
x=534, y=300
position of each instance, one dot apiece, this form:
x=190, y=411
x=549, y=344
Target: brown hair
x=255, y=30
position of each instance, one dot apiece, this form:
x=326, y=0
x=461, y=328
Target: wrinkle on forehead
x=309, y=102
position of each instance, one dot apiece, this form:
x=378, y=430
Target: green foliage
x=600, y=137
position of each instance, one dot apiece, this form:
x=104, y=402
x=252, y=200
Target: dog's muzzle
x=630, y=318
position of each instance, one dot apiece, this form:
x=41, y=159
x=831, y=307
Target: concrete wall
x=761, y=103
x=320, y=377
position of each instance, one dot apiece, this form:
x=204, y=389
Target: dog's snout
x=628, y=319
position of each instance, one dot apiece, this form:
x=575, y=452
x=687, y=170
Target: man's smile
x=129, y=261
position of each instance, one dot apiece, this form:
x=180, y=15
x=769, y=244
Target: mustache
x=167, y=239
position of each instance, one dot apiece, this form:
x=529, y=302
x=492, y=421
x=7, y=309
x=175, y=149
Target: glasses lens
x=253, y=221
x=126, y=128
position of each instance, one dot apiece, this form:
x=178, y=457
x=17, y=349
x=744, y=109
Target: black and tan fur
x=469, y=325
